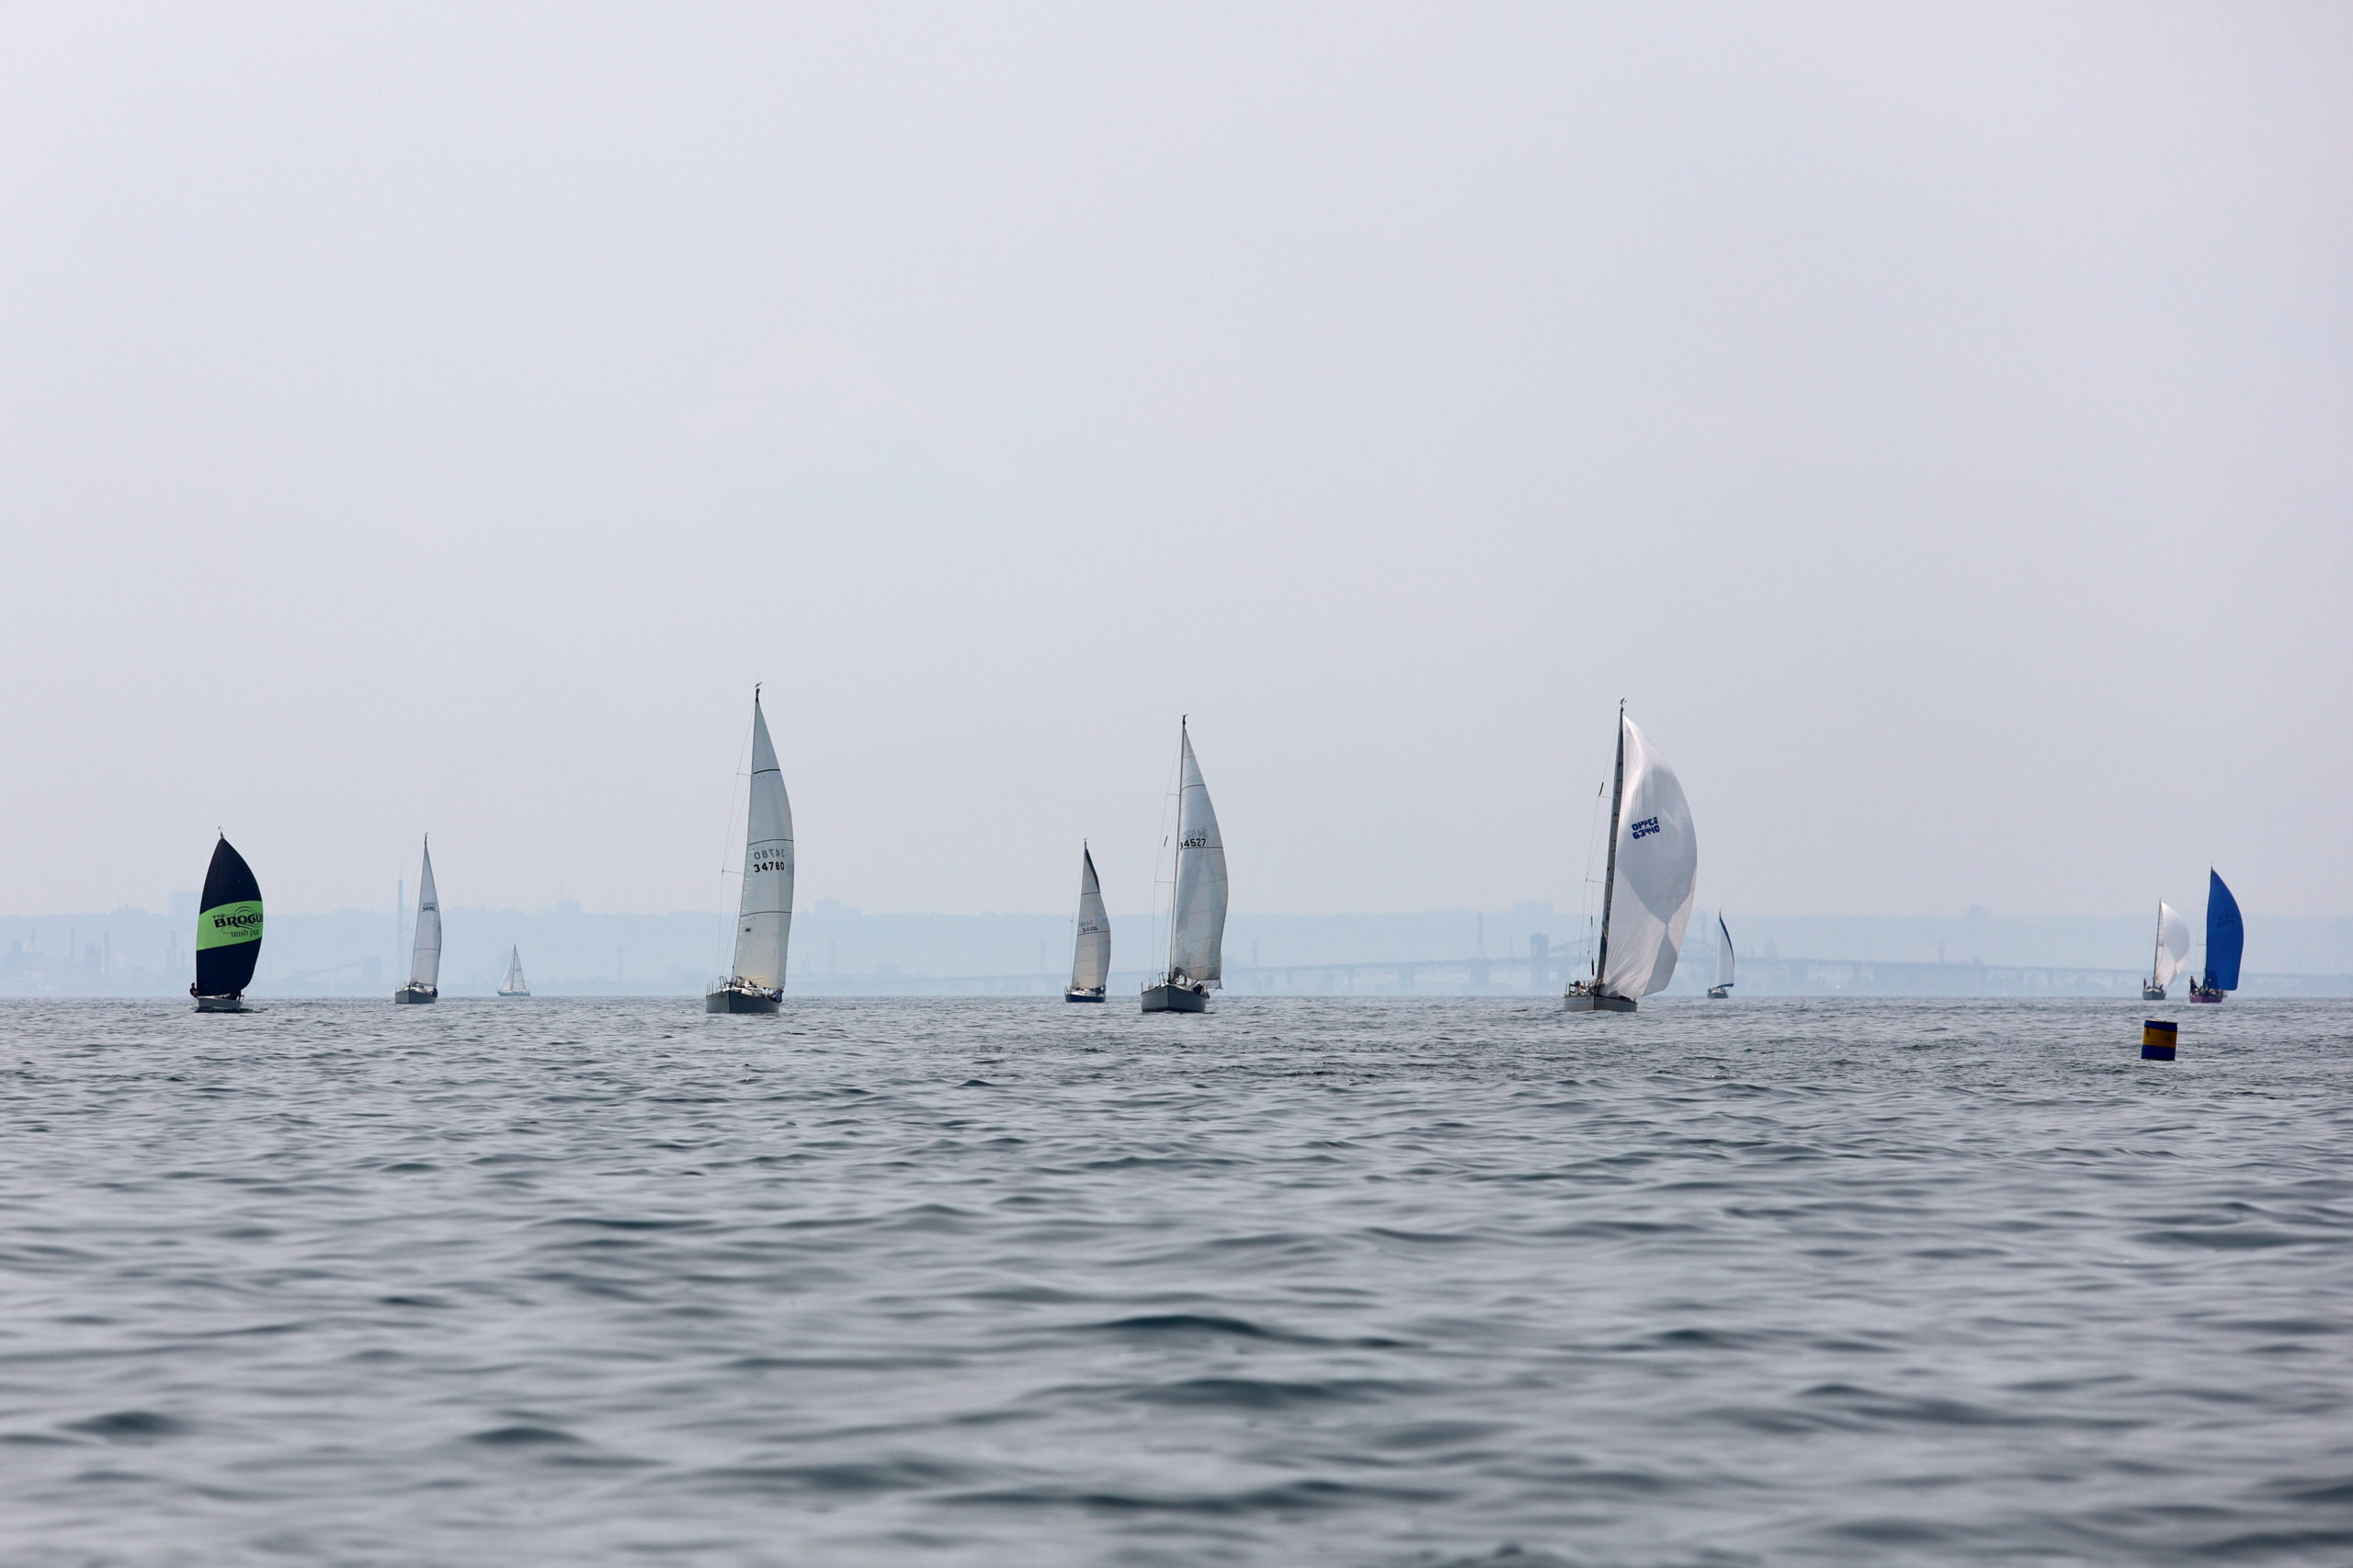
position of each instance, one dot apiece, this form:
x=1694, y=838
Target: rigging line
x=1171, y=823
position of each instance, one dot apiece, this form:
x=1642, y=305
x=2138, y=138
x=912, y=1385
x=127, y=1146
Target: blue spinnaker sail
x=2226, y=937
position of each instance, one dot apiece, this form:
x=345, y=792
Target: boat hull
x=1596, y=1002
x=1082, y=995
x=515, y=995
x=1718, y=992
x=1174, y=999
x=2152, y=993
x=414, y=993
x=730, y=1000
x=2200, y=993
x=222, y=1004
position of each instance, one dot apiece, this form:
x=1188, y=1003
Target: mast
x=1609, y=878
x=1178, y=857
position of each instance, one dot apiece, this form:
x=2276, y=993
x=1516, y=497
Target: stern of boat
x=741, y=999
x=1174, y=999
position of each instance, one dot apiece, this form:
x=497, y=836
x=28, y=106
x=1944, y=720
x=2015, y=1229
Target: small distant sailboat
x=228, y=932
x=764, y=925
x=1722, y=987
x=1090, y=964
x=513, y=985
x=1646, y=897
x=2172, y=953
x=2225, y=941
x=1197, y=915
x=425, y=959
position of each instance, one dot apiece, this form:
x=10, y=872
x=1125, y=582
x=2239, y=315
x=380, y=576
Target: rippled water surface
x=1304, y=1282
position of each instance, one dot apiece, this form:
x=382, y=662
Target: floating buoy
x=2157, y=1038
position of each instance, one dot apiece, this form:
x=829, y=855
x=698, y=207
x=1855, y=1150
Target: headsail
x=2173, y=945
x=425, y=962
x=1723, y=950
x=1090, y=965
x=2225, y=936
x=1654, y=870
x=764, y=927
x=227, y=925
x=1197, y=932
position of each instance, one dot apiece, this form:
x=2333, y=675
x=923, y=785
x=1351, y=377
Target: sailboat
x=2171, y=953
x=1722, y=987
x=764, y=924
x=1647, y=896
x=513, y=985
x=1090, y=964
x=1197, y=915
x=228, y=932
x=2225, y=940
x=425, y=958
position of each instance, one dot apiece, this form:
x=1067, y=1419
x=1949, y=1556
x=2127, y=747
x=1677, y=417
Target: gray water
x=1304, y=1282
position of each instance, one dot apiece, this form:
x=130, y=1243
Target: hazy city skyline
x=1931, y=419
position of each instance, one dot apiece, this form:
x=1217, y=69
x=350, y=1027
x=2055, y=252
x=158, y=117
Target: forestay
x=1197, y=937
x=1658, y=863
x=765, y=927
x=1090, y=966
x=425, y=958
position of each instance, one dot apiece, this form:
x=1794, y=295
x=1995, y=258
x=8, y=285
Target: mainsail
x=2173, y=945
x=2225, y=936
x=1723, y=952
x=1655, y=867
x=1090, y=965
x=1197, y=921
x=425, y=962
x=765, y=927
x=227, y=925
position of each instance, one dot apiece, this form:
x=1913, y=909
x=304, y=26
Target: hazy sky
x=1937, y=422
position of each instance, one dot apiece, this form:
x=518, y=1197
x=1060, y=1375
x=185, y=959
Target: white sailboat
x=764, y=924
x=1646, y=897
x=1722, y=987
x=1090, y=963
x=2172, y=954
x=512, y=986
x=1197, y=916
x=425, y=958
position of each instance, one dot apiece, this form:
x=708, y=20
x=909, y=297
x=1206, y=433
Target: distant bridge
x=1547, y=973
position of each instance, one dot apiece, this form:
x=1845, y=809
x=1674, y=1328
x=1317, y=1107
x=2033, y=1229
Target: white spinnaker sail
x=1658, y=865
x=514, y=980
x=2172, y=943
x=1090, y=965
x=1197, y=929
x=765, y=927
x=1723, y=952
x=425, y=962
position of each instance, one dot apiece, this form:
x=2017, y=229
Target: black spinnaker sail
x=228, y=927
